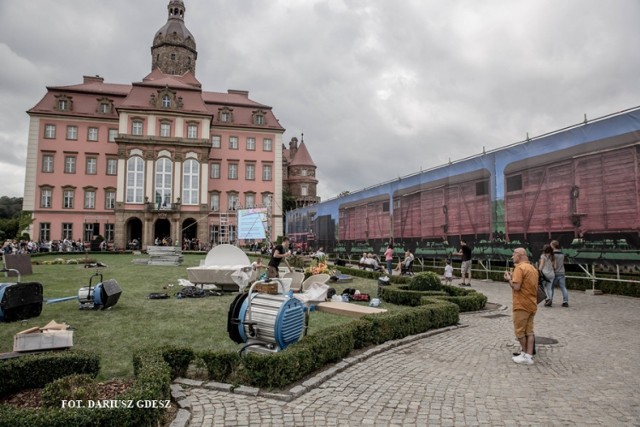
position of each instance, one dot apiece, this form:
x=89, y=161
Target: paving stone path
x=465, y=376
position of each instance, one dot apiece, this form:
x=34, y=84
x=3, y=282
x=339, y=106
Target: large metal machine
x=266, y=321
x=103, y=295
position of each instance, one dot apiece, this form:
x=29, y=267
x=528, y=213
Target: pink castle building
x=159, y=158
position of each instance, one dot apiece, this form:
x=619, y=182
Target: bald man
x=524, y=289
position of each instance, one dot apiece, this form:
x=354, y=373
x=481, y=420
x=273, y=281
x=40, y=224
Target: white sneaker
x=523, y=358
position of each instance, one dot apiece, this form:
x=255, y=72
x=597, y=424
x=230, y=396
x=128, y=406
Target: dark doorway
x=189, y=229
x=134, y=232
x=162, y=230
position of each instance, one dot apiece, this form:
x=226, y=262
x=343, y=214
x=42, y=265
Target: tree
x=10, y=207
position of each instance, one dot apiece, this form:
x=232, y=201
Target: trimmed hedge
x=153, y=380
x=465, y=299
x=277, y=370
x=37, y=370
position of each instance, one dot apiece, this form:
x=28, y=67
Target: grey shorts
x=466, y=267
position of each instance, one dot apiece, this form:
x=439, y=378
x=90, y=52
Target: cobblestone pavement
x=466, y=377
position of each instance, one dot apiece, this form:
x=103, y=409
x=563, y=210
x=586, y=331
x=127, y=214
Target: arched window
x=190, y=182
x=164, y=176
x=135, y=180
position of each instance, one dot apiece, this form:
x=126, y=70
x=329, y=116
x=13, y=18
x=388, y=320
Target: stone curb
x=319, y=377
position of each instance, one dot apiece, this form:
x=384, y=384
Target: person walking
x=547, y=268
x=388, y=257
x=524, y=289
x=559, y=272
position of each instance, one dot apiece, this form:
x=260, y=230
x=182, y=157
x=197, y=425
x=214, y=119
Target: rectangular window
x=249, y=201
x=266, y=172
x=72, y=132
x=266, y=200
x=165, y=129
x=67, y=199
x=251, y=144
x=192, y=131
x=304, y=190
x=49, y=131
x=215, y=202
x=109, y=232
x=215, y=170
x=136, y=127
x=232, y=202
x=45, y=198
x=90, y=199
x=250, y=172
x=385, y=206
x=70, y=164
x=267, y=144
x=45, y=231
x=233, y=142
x=514, y=183
x=214, y=233
x=67, y=231
x=112, y=166
x=92, y=166
x=113, y=134
x=47, y=163
x=233, y=171
x=89, y=232
x=216, y=141
x=92, y=134
x=482, y=188
x=110, y=199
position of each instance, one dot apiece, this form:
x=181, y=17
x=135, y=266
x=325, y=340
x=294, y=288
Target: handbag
x=542, y=294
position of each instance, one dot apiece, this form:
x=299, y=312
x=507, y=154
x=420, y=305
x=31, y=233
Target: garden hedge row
x=152, y=383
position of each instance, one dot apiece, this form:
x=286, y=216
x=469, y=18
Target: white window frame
x=91, y=166
x=70, y=164
x=68, y=199
x=110, y=199
x=233, y=143
x=215, y=202
x=92, y=134
x=216, y=141
x=192, y=131
x=135, y=180
x=90, y=199
x=232, y=172
x=215, y=170
x=267, y=144
x=250, y=171
x=47, y=163
x=46, y=195
x=72, y=132
x=190, y=182
x=113, y=134
x=137, y=127
x=112, y=166
x=49, y=131
x=165, y=129
x=251, y=143
x=250, y=200
x=267, y=172
x=163, y=182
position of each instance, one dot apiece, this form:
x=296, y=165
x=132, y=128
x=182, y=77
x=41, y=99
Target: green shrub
x=73, y=387
x=37, y=370
x=221, y=365
x=428, y=281
x=178, y=359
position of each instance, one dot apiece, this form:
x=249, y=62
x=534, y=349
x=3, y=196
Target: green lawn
x=136, y=321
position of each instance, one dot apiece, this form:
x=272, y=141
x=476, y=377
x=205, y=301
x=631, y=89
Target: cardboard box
x=52, y=336
x=347, y=309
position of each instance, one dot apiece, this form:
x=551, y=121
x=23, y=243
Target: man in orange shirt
x=524, y=285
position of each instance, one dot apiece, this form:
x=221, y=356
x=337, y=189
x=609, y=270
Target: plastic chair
x=297, y=279
x=316, y=278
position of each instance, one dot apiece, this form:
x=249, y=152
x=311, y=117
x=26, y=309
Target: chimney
x=92, y=79
x=293, y=147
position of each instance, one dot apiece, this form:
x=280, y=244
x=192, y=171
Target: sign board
x=252, y=223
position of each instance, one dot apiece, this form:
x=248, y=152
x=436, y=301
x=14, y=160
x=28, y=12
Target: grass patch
x=137, y=322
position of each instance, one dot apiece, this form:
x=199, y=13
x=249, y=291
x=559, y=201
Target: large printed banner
x=252, y=223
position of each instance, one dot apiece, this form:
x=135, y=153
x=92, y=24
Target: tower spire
x=174, y=48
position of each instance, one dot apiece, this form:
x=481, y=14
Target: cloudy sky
x=380, y=88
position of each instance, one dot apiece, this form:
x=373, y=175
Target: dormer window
x=259, y=118
x=63, y=103
x=166, y=101
x=105, y=106
x=226, y=115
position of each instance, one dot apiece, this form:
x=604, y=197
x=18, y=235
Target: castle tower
x=174, y=48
